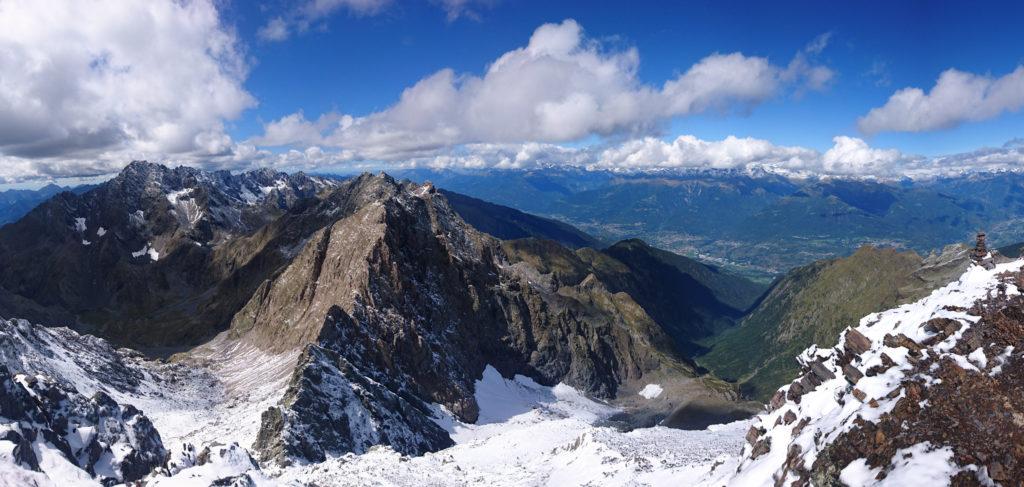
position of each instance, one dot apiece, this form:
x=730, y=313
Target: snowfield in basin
x=532, y=435
x=527, y=434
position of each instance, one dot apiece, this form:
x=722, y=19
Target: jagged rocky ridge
x=66, y=415
x=153, y=257
x=928, y=392
x=396, y=303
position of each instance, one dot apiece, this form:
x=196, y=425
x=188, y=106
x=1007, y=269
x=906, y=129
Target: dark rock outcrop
x=112, y=443
x=153, y=257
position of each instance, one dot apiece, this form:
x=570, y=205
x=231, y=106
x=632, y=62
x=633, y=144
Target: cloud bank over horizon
x=88, y=88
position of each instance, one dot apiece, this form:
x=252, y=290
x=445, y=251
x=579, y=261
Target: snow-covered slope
x=208, y=411
x=529, y=435
x=928, y=393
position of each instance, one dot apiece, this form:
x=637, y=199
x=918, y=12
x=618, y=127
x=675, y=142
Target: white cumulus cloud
x=561, y=86
x=86, y=85
x=956, y=98
x=853, y=157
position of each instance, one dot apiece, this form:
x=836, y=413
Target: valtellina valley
x=493, y=243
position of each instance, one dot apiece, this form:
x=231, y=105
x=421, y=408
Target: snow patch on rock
x=651, y=391
x=147, y=250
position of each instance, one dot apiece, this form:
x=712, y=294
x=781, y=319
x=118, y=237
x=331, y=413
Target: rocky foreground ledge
x=929, y=393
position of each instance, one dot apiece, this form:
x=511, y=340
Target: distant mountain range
x=762, y=225
x=15, y=203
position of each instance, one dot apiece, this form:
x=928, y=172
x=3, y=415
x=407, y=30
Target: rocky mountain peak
x=142, y=247
x=396, y=303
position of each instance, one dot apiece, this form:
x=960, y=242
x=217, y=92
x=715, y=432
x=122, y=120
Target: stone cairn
x=980, y=255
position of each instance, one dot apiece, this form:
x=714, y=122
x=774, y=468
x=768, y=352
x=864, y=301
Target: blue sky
x=360, y=63
x=852, y=89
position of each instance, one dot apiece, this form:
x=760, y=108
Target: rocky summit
x=395, y=303
x=928, y=392
x=46, y=424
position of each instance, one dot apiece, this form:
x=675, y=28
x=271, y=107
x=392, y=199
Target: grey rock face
x=112, y=443
x=332, y=408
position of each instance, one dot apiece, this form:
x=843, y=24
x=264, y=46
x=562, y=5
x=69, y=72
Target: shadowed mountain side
x=401, y=303
x=683, y=305
x=508, y=224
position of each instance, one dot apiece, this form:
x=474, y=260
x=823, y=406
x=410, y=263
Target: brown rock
x=796, y=390
x=902, y=340
x=943, y=327
x=856, y=341
x=778, y=399
x=820, y=372
x=761, y=447
x=789, y=417
x=859, y=394
x=852, y=374
x=753, y=434
x=887, y=362
x=800, y=426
